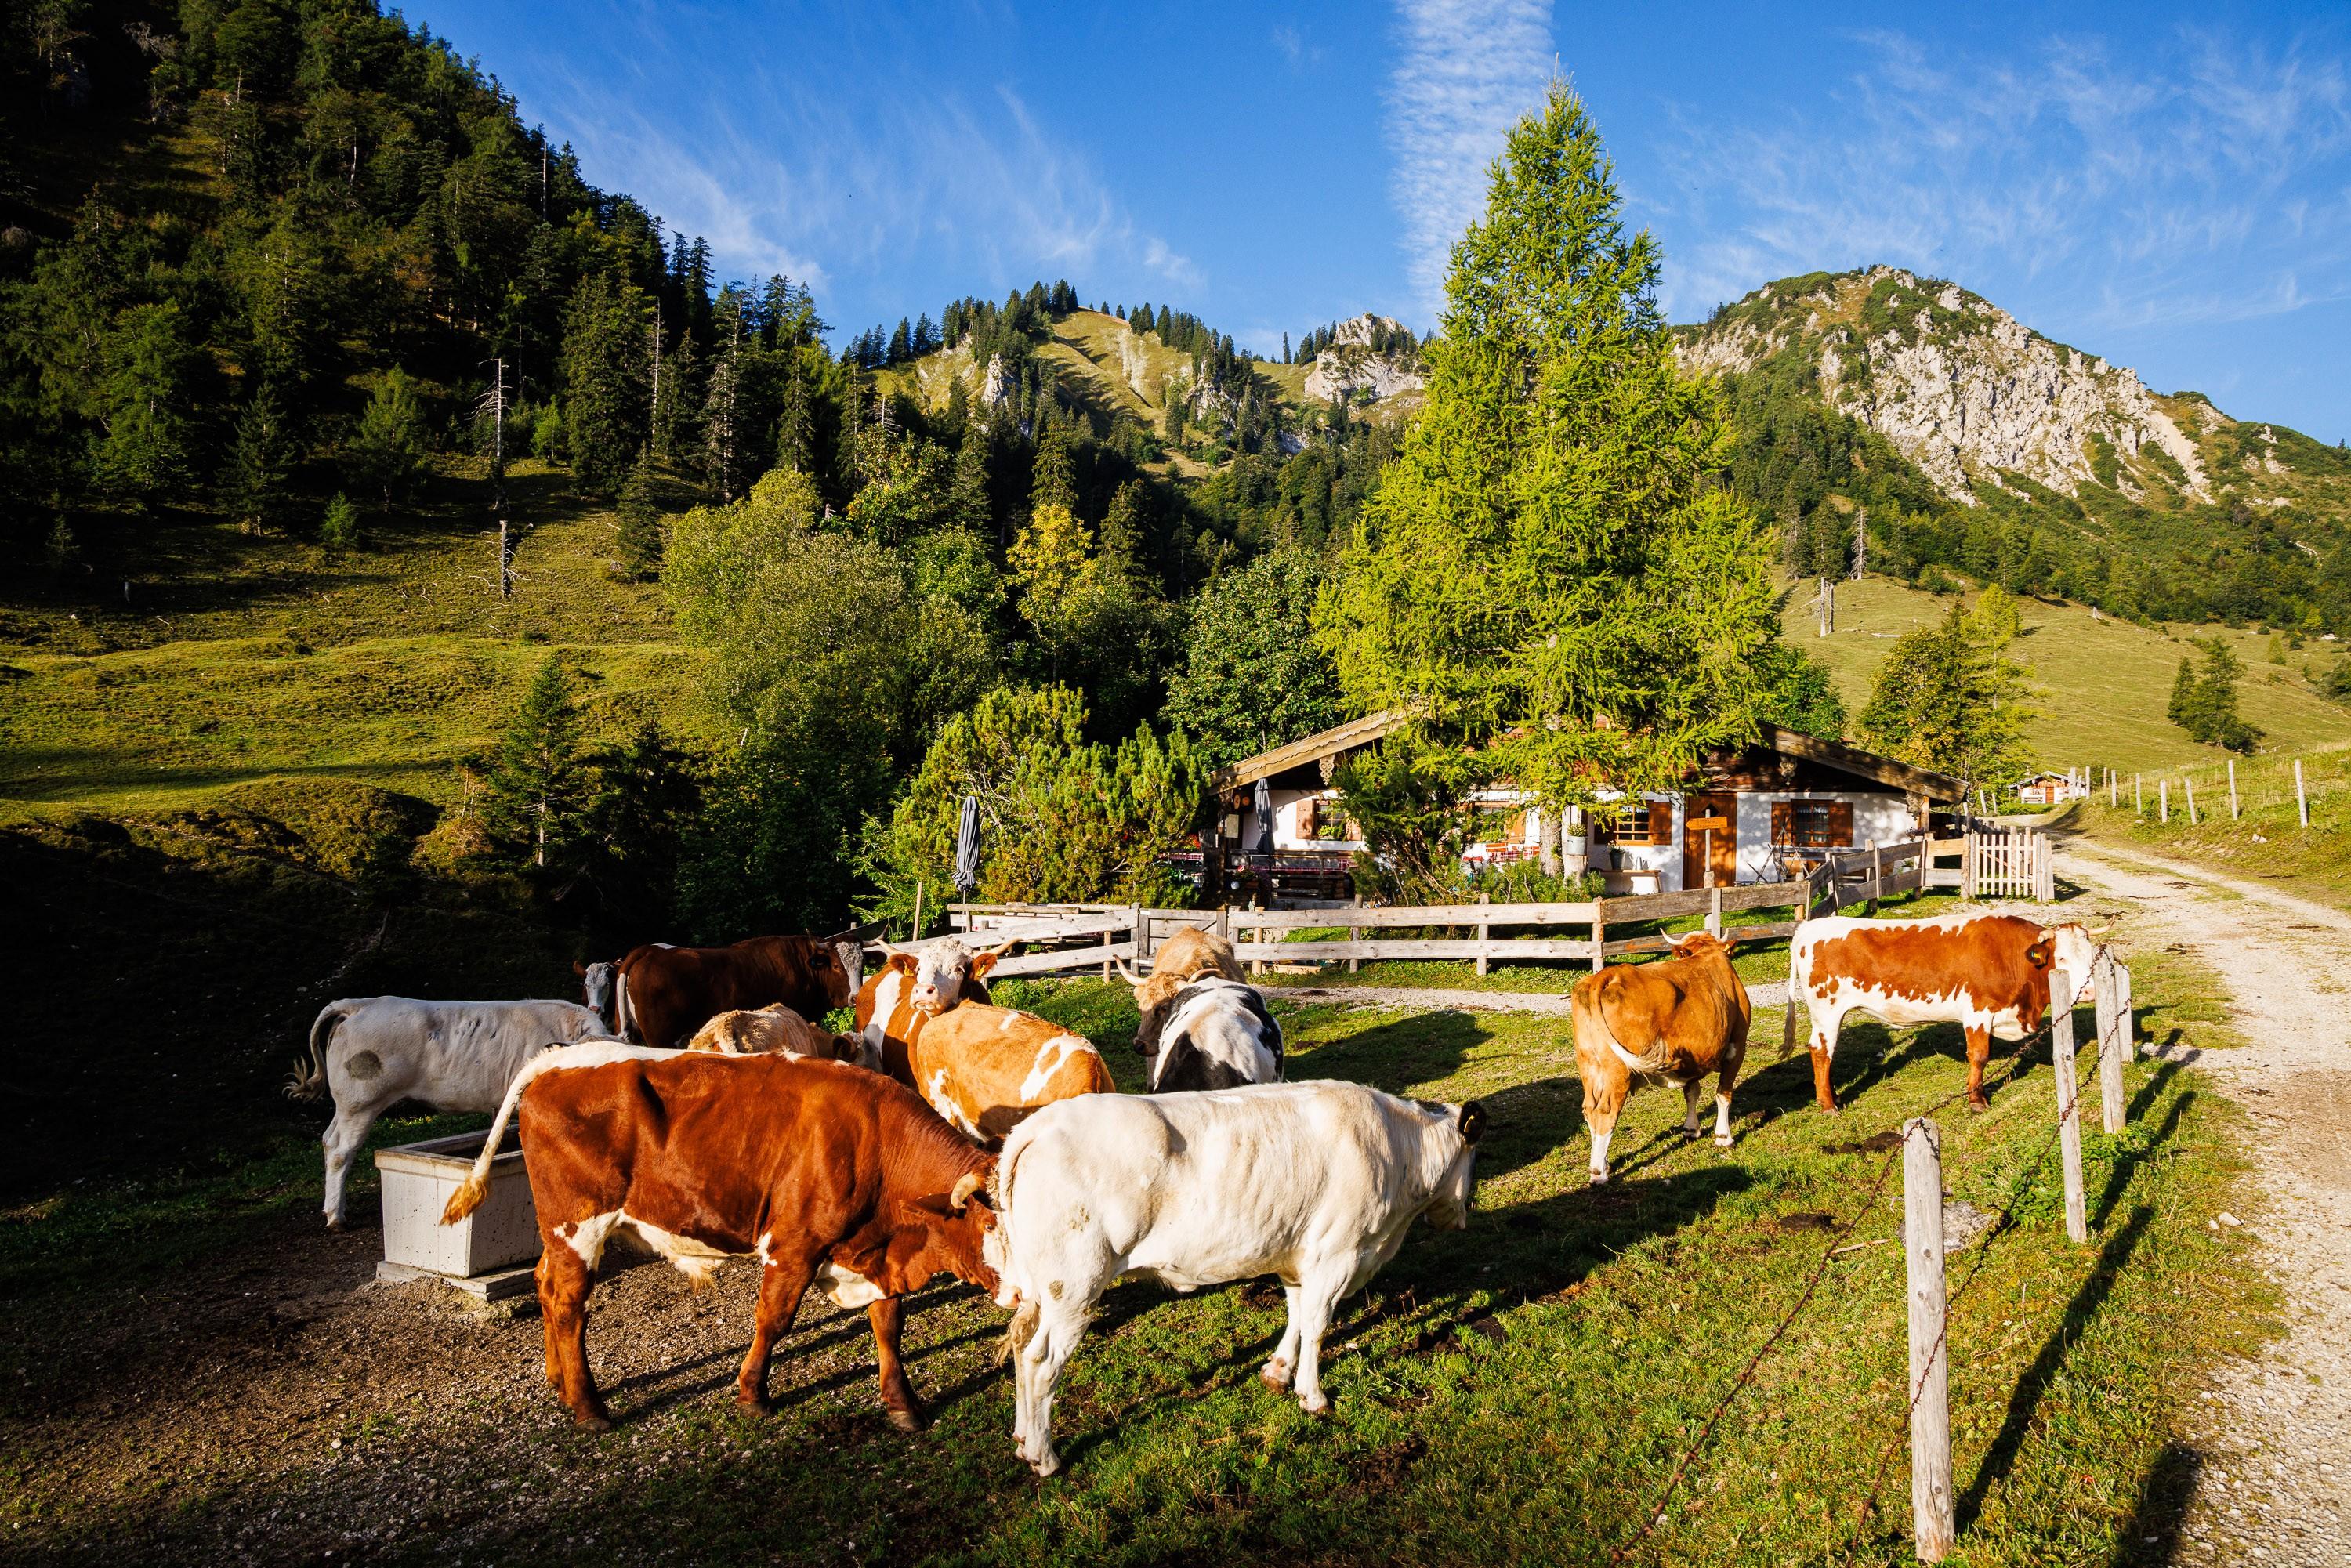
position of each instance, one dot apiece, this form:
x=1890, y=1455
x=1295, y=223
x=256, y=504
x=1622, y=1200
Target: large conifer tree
x=1549, y=570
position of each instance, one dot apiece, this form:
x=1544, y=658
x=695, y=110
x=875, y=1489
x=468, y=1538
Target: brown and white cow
x=1184, y=957
x=916, y=985
x=663, y=994
x=830, y=1175
x=777, y=1031
x=1990, y=973
x=986, y=1068
x=1672, y=1022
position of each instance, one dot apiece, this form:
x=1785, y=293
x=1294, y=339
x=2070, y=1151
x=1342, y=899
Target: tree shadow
x=1393, y=1056
x=2034, y=1385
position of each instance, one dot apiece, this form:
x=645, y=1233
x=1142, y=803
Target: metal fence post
x=1933, y=1521
x=2069, y=1122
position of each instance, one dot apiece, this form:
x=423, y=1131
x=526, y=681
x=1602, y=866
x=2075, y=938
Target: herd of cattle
x=692, y=1101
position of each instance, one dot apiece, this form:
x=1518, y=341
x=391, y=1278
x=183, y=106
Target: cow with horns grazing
x=1670, y=1022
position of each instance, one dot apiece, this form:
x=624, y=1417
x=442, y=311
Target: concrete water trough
x=489, y=1253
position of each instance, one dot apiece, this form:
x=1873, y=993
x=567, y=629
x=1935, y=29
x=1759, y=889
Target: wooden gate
x=2009, y=862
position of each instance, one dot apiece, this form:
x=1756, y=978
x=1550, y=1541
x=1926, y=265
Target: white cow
x=1315, y=1183
x=371, y=1052
x=1217, y=1035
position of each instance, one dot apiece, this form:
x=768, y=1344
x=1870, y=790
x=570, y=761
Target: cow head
x=951, y=1231
x=1448, y=1205
x=1154, y=1000
x=947, y=973
x=596, y=987
x=851, y=958
x=1700, y=943
x=2072, y=952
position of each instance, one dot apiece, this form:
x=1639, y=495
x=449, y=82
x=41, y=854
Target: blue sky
x=2169, y=186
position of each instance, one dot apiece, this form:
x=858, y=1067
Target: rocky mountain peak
x=1368, y=353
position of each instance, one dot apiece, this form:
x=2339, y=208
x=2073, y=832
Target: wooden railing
x=1090, y=935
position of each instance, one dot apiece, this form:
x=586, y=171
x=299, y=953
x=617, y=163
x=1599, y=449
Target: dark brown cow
x=830, y=1175
x=663, y=994
x=1990, y=973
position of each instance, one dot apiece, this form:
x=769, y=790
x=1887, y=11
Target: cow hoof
x=1599, y=1178
x=1319, y=1408
x=1978, y=1103
x=1723, y=1140
x=906, y=1420
x=755, y=1404
x=1275, y=1374
x=334, y=1222
x=591, y=1420
x=1048, y=1466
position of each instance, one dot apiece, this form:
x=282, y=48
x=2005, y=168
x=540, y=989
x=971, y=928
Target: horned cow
x=1673, y=1021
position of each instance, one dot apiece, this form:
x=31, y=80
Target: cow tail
x=1018, y=1333
x=477, y=1185
x=1798, y=984
x=308, y=1079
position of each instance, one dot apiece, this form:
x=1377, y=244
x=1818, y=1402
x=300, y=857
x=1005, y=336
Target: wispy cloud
x=1294, y=48
x=1466, y=71
x=2212, y=185
x=830, y=185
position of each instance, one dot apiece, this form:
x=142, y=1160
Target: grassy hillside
x=2106, y=681
x=236, y=659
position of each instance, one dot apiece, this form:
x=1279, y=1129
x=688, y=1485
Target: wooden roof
x=1362, y=732
x=1846, y=759
x=1333, y=742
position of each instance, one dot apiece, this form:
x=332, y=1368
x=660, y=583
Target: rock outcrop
x=1958, y=385
x=1353, y=364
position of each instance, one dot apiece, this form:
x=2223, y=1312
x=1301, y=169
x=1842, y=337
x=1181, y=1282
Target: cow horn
x=999, y=951
x=1132, y=977
x=969, y=1183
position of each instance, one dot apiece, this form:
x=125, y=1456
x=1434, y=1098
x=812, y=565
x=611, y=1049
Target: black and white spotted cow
x=1217, y=1035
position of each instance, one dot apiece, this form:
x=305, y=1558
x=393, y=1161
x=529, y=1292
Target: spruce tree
x=606, y=379
x=1053, y=481
x=149, y=435
x=388, y=448
x=796, y=421
x=260, y=460
x=968, y=497
x=1549, y=571
x=1124, y=527
x=902, y=345
x=640, y=534
x=533, y=785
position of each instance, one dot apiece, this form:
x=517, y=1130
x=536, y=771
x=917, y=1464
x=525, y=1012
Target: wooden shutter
x=1661, y=822
x=1309, y=817
x=1840, y=833
x=1783, y=821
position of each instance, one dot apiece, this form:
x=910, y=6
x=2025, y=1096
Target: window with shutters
x=1309, y=817
x=1812, y=824
x=1644, y=826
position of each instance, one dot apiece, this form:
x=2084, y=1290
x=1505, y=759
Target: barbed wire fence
x=2022, y=1186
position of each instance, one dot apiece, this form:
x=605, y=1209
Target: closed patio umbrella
x=966, y=866
x=1264, y=818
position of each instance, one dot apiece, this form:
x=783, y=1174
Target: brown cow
x=986, y=1068
x=776, y=1031
x=1673, y=1021
x=663, y=994
x=829, y=1175
x=1990, y=973
x=1184, y=957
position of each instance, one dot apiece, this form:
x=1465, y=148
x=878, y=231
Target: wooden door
x=1709, y=840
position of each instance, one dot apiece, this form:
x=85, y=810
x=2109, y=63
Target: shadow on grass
x=2150, y=1537
x=2026, y=1401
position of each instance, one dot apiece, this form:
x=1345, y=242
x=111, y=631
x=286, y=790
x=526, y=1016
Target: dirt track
x=2272, y=1460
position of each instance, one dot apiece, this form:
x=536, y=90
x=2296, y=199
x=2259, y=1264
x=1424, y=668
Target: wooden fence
x=2011, y=863
x=1092, y=936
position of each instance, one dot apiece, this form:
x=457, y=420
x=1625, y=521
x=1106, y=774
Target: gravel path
x=2273, y=1453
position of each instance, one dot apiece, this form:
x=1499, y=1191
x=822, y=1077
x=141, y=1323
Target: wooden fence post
x=2139, y=794
x=1876, y=876
x=2114, y=788
x=1141, y=938
x=2069, y=1122
x=1257, y=965
x=2129, y=1018
x=2233, y=789
x=1714, y=911
x=1599, y=934
x=1966, y=865
x=2301, y=797
x=2104, y=989
x=2187, y=786
x=1484, y=932
x=2163, y=797
x=1932, y=1520
x=1355, y=933
x=918, y=911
